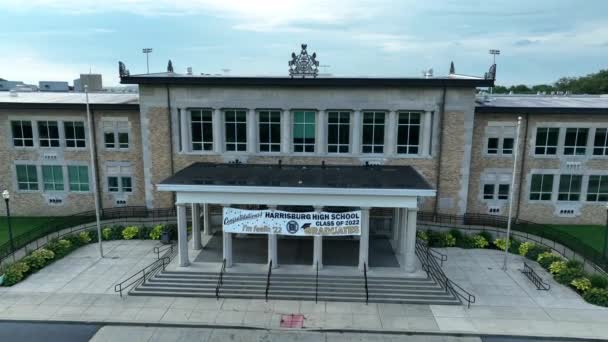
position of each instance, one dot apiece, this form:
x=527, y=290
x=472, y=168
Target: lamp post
x=511, y=191
x=606, y=235
x=7, y=196
x=147, y=51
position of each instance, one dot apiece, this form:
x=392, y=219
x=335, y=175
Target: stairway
x=297, y=287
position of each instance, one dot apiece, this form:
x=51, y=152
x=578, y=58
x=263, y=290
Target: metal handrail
x=220, y=279
x=535, y=278
x=158, y=250
x=432, y=268
x=317, y=285
x=366, y=288
x=142, y=275
x=268, y=278
x=439, y=256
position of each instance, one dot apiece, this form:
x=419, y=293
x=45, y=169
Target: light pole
x=606, y=235
x=494, y=53
x=147, y=51
x=7, y=196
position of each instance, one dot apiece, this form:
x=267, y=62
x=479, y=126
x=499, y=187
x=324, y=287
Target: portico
x=322, y=188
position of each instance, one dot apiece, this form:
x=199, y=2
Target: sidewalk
x=80, y=288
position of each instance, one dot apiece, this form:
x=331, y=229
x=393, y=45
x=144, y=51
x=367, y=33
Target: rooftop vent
x=428, y=73
x=189, y=71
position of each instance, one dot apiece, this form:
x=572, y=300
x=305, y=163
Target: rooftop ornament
x=170, y=66
x=303, y=65
x=491, y=74
x=122, y=70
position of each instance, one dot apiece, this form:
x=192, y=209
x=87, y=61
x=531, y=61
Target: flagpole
x=511, y=191
x=93, y=171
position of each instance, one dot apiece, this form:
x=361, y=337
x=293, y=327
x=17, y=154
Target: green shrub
x=144, y=233
x=535, y=251
x=501, y=243
x=15, y=273
x=547, y=258
x=597, y=297
x=75, y=241
x=525, y=248
x=581, y=285
x=421, y=234
x=456, y=234
x=117, y=232
x=84, y=237
x=574, y=264
x=557, y=266
x=465, y=242
x=157, y=231
x=514, y=246
x=130, y=232
x=448, y=240
x=39, y=258
x=61, y=248
x=434, y=238
x=599, y=281
x=480, y=241
x=566, y=276
x=106, y=233
x=93, y=235
x=486, y=235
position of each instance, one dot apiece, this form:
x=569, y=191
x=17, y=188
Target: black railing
x=543, y=234
x=535, y=278
x=220, y=279
x=366, y=287
x=268, y=278
x=141, y=276
x=317, y=284
x=58, y=224
x=162, y=250
x=429, y=264
x=439, y=256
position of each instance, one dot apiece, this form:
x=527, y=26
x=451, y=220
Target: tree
x=596, y=83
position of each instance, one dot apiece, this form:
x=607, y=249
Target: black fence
x=546, y=232
x=58, y=224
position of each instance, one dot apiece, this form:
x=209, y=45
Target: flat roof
x=68, y=100
x=319, y=81
x=542, y=104
x=301, y=176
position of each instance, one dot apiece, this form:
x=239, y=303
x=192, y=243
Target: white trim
x=291, y=190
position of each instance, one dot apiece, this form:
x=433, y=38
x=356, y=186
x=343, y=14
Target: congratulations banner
x=288, y=223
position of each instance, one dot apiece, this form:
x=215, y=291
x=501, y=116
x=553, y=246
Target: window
x=600, y=143
x=569, y=187
x=597, y=191
x=270, y=131
x=48, y=133
x=503, y=191
x=201, y=130
x=236, y=130
x=74, y=134
x=125, y=184
x=22, y=133
x=338, y=132
x=507, y=146
x=304, y=131
x=546, y=141
x=373, y=132
x=27, y=177
x=576, y=141
x=52, y=177
x=492, y=145
x=408, y=133
x=488, y=191
x=78, y=177
x=500, y=139
x=541, y=187
x=116, y=134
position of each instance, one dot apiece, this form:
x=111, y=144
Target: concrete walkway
x=80, y=288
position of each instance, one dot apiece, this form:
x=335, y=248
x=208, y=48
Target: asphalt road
x=81, y=332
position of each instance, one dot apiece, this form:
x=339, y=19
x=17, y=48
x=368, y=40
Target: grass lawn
x=591, y=235
x=20, y=225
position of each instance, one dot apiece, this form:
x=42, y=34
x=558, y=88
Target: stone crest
x=303, y=65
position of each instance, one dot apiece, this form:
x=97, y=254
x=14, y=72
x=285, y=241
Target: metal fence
x=550, y=237
x=66, y=225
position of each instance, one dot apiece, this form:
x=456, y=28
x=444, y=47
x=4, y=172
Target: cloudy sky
x=540, y=40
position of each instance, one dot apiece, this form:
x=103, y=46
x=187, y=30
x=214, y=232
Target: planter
x=165, y=238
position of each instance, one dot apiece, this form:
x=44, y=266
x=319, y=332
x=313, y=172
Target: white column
x=227, y=246
x=356, y=133
x=206, y=220
x=196, y=227
x=426, y=134
x=218, y=140
x=390, y=134
x=364, y=240
x=410, y=241
x=321, y=138
x=273, y=245
x=317, y=254
x=185, y=131
x=182, y=236
x=251, y=132
x=402, y=230
x=396, y=227
x=286, y=132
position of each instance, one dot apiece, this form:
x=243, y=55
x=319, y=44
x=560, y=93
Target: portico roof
x=377, y=185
